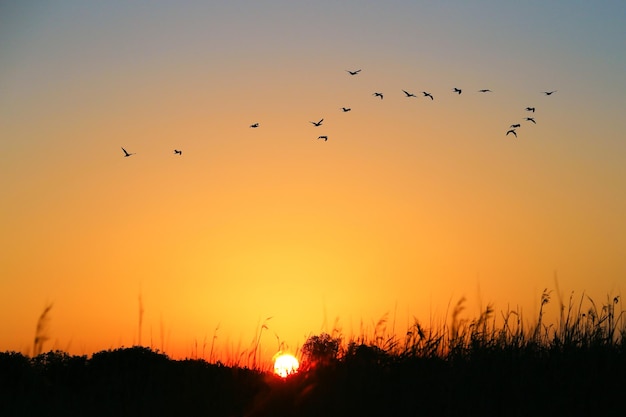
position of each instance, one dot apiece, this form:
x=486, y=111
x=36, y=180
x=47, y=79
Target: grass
x=41, y=332
x=596, y=327
x=492, y=364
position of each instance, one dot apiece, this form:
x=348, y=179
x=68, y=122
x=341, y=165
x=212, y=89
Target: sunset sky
x=410, y=205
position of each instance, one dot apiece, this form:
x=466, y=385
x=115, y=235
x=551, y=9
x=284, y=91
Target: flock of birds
x=407, y=94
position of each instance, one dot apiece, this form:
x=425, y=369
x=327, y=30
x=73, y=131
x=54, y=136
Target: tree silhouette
x=321, y=349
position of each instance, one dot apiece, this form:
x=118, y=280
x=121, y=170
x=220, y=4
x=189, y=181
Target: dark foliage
x=365, y=381
x=322, y=350
x=123, y=382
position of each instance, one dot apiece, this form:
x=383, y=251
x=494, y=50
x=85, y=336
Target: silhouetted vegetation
x=133, y=381
x=41, y=332
x=469, y=368
x=322, y=350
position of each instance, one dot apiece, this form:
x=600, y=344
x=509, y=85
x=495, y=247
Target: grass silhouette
x=491, y=365
x=41, y=331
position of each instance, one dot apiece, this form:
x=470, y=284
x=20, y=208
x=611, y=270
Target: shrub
x=319, y=350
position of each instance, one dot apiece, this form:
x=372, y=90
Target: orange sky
x=410, y=204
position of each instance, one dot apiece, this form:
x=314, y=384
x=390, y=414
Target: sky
x=410, y=205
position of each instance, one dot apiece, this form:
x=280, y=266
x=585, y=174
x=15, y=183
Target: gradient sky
x=409, y=205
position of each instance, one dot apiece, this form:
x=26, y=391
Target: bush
x=320, y=350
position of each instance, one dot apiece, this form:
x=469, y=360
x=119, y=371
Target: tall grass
x=496, y=363
x=581, y=325
x=41, y=331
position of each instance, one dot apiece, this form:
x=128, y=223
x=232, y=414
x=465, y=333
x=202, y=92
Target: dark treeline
x=129, y=381
x=360, y=380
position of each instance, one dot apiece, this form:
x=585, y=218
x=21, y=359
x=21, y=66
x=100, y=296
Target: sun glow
x=285, y=364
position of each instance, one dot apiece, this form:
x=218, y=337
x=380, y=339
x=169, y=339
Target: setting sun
x=405, y=196
x=285, y=364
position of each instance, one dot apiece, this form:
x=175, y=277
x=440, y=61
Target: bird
x=318, y=123
x=378, y=95
x=549, y=93
x=409, y=94
x=484, y=90
x=178, y=152
x=254, y=125
x=515, y=126
x=531, y=119
x=457, y=90
x=511, y=131
x=532, y=109
x=428, y=95
x=346, y=109
x=353, y=72
x=323, y=137
x=126, y=154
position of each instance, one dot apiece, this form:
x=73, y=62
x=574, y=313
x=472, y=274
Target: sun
x=285, y=364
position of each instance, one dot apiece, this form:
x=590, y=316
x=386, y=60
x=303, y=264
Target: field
x=473, y=367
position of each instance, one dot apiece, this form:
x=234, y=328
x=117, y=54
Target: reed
x=491, y=364
x=41, y=331
x=576, y=329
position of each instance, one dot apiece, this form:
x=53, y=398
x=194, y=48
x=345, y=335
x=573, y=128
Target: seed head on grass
x=41, y=332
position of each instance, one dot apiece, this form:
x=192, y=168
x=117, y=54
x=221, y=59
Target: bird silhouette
x=353, y=72
x=378, y=95
x=126, y=154
x=318, y=123
x=484, y=90
x=457, y=90
x=532, y=109
x=323, y=137
x=178, y=152
x=515, y=126
x=549, y=93
x=511, y=131
x=531, y=119
x=254, y=125
x=409, y=94
x=346, y=109
x=428, y=95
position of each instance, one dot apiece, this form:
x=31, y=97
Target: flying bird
x=378, y=95
x=428, y=95
x=532, y=109
x=178, y=152
x=511, y=131
x=346, y=109
x=549, y=93
x=353, y=72
x=457, y=90
x=485, y=90
x=409, y=94
x=126, y=154
x=515, y=126
x=531, y=119
x=323, y=137
x=254, y=125
x=318, y=123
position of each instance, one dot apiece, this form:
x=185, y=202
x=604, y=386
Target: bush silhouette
x=319, y=350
